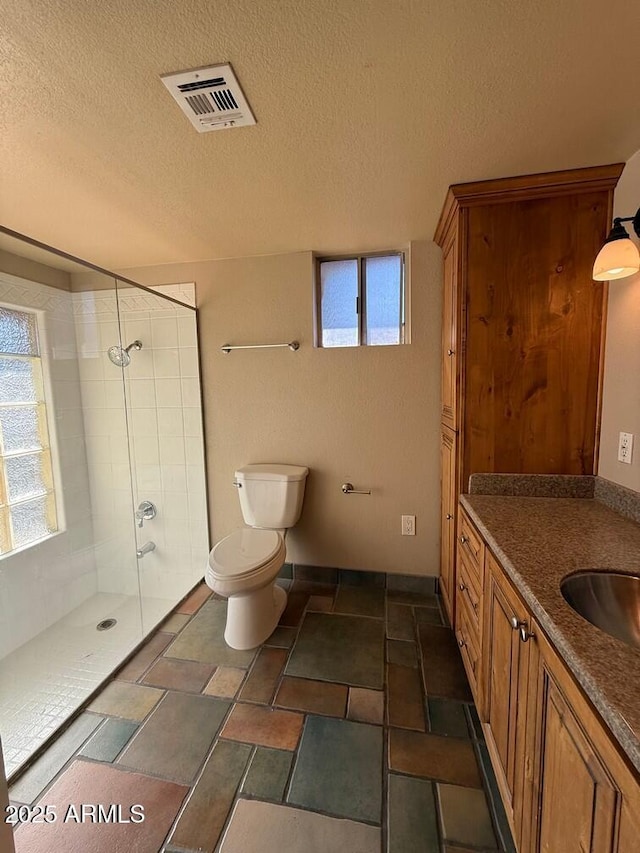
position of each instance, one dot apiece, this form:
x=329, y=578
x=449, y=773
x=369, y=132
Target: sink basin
x=609, y=600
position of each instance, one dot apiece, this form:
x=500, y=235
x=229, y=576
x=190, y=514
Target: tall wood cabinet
x=522, y=330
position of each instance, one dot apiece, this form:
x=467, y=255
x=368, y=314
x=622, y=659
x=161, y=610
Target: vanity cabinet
x=468, y=602
x=565, y=784
x=522, y=326
x=506, y=644
x=580, y=793
x=574, y=795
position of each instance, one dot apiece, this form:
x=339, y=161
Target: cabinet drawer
x=467, y=637
x=469, y=589
x=471, y=545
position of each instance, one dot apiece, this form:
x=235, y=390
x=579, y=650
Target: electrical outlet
x=625, y=447
x=408, y=525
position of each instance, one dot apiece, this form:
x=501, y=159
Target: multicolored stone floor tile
x=351, y=728
x=257, y=827
x=79, y=826
x=339, y=648
x=339, y=769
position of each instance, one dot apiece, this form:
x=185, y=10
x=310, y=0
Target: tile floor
x=351, y=728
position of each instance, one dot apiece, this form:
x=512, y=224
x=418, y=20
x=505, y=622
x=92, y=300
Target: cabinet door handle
x=461, y=643
x=525, y=635
x=449, y=516
x=464, y=540
x=450, y=352
x=463, y=587
x=521, y=626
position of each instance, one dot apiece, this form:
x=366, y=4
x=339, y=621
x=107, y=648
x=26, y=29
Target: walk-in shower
x=119, y=355
x=100, y=419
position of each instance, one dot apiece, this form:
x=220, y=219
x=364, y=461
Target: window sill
x=29, y=545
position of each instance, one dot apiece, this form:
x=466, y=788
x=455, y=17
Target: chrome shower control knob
x=145, y=512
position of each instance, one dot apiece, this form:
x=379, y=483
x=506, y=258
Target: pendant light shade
x=619, y=257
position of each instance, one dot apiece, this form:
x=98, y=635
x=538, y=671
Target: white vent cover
x=211, y=97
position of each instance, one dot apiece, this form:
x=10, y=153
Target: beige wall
x=34, y=271
x=367, y=415
x=621, y=391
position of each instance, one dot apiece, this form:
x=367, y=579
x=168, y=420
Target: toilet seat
x=245, y=553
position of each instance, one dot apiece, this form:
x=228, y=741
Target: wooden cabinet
x=581, y=795
x=523, y=324
x=449, y=392
x=577, y=796
x=469, y=645
x=534, y=322
x=468, y=602
x=564, y=782
x=506, y=642
x=447, y=518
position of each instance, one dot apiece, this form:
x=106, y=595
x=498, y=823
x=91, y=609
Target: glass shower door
x=111, y=475
x=69, y=590
x=164, y=409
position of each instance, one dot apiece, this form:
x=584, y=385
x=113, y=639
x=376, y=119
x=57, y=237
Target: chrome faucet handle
x=145, y=512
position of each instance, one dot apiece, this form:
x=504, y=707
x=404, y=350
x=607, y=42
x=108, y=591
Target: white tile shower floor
x=46, y=679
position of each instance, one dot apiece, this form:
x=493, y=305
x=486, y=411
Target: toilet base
x=253, y=617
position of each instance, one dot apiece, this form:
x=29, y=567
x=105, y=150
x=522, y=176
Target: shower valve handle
x=145, y=512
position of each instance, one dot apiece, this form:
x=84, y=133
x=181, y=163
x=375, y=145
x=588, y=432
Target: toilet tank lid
x=272, y=471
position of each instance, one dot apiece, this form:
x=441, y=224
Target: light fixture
x=619, y=257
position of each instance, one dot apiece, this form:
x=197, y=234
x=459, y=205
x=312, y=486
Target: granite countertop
x=539, y=540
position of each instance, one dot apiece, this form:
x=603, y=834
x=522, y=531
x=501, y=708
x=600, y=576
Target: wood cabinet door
x=576, y=801
x=448, y=519
x=630, y=818
x=505, y=668
x=533, y=335
x=449, y=413
x=469, y=645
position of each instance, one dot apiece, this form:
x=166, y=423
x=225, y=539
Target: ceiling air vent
x=211, y=98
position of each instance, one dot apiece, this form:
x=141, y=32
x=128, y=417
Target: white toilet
x=243, y=566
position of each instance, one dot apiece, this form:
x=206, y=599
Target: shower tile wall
x=163, y=385
x=107, y=448
x=165, y=441
x=41, y=584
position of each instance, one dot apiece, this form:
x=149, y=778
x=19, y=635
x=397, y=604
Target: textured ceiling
x=367, y=110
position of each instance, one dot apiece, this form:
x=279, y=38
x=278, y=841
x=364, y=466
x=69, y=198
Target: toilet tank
x=270, y=494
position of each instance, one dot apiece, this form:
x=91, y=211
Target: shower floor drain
x=106, y=624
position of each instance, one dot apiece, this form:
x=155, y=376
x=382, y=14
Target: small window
x=27, y=497
x=361, y=300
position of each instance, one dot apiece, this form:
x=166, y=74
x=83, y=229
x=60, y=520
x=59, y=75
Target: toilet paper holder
x=348, y=489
